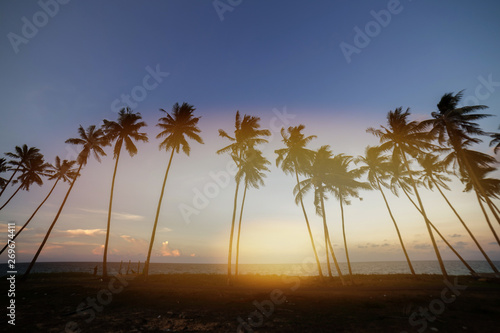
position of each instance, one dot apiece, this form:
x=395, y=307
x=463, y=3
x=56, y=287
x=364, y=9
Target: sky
x=336, y=66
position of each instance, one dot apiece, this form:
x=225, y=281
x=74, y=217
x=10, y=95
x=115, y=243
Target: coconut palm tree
x=125, y=130
x=295, y=159
x=3, y=168
x=32, y=171
x=92, y=141
x=252, y=170
x=247, y=133
x=403, y=137
x=376, y=166
x=432, y=177
x=60, y=171
x=495, y=142
x=19, y=158
x=175, y=128
x=455, y=125
x=317, y=178
x=343, y=184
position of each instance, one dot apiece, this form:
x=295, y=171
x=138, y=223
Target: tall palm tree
x=175, y=128
x=343, y=184
x=495, y=142
x=125, y=130
x=92, y=141
x=455, y=125
x=247, y=133
x=252, y=170
x=317, y=178
x=376, y=166
x=19, y=158
x=432, y=176
x=32, y=171
x=58, y=171
x=403, y=137
x=295, y=159
x=3, y=168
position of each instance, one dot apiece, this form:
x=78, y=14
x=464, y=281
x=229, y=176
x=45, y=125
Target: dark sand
x=204, y=303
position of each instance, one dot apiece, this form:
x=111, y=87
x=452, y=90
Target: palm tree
x=403, y=137
x=3, y=168
x=343, y=183
x=58, y=172
x=432, y=177
x=31, y=172
x=495, y=142
x=126, y=129
x=92, y=141
x=247, y=133
x=295, y=159
x=252, y=169
x=455, y=125
x=20, y=157
x=175, y=128
x=376, y=166
x=319, y=174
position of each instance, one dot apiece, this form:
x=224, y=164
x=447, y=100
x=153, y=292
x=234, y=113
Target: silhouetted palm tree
x=125, y=130
x=3, y=168
x=495, y=142
x=432, y=176
x=376, y=167
x=317, y=178
x=403, y=137
x=252, y=170
x=343, y=184
x=247, y=133
x=58, y=172
x=19, y=158
x=92, y=141
x=295, y=159
x=175, y=128
x=32, y=171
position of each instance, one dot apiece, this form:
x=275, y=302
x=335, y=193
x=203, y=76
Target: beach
x=80, y=302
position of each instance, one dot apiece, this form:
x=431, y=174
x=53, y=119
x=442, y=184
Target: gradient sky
x=265, y=59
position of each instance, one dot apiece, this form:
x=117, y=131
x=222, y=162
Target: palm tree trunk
x=442, y=237
x=105, y=255
x=345, y=239
x=327, y=241
x=8, y=182
x=239, y=230
x=487, y=219
x=231, y=235
x=468, y=230
x=5, y=204
x=397, y=229
x=309, y=227
x=32, y=263
x=434, y=245
x=151, y=242
x=33, y=215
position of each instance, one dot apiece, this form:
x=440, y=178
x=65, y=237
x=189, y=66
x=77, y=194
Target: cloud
x=167, y=252
x=455, y=235
x=84, y=232
x=460, y=244
x=100, y=250
x=115, y=215
x=424, y=246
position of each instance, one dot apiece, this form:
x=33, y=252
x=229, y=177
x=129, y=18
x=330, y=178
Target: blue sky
x=263, y=56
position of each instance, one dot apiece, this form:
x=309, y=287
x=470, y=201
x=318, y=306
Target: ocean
x=380, y=267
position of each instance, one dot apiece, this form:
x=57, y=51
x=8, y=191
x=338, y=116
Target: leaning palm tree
x=92, y=141
x=253, y=166
x=18, y=159
x=295, y=159
x=32, y=172
x=125, y=130
x=432, y=177
x=376, y=166
x=59, y=171
x=317, y=179
x=175, y=128
x=247, y=133
x=343, y=184
x=403, y=137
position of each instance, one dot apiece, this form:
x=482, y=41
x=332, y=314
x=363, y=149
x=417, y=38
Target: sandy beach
x=76, y=302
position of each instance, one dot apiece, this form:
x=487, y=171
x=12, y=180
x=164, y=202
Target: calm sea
x=380, y=267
